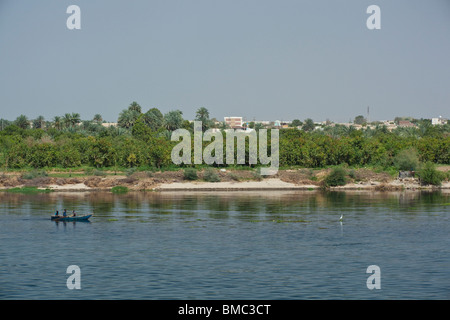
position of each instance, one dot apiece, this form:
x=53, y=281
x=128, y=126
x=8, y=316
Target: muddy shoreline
x=230, y=180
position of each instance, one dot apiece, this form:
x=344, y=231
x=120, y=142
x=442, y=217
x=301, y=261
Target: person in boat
x=57, y=213
x=65, y=213
x=73, y=213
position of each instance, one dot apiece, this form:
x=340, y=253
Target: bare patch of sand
x=73, y=187
x=266, y=184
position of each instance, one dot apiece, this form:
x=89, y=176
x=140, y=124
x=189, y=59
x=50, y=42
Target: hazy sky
x=260, y=59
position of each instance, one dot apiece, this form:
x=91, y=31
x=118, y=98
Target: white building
x=438, y=121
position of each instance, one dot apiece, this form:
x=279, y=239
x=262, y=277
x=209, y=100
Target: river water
x=227, y=245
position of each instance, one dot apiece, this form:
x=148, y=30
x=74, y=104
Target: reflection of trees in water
x=242, y=204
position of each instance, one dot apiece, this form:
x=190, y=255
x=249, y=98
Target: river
x=226, y=245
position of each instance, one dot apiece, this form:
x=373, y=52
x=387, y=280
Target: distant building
x=109, y=124
x=234, y=122
x=406, y=124
x=438, y=121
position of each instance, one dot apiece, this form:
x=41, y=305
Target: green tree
x=337, y=177
x=428, y=174
x=134, y=106
x=308, y=125
x=140, y=130
x=98, y=118
x=154, y=119
x=202, y=115
x=22, y=122
x=360, y=120
x=173, y=120
x=407, y=159
x=127, y=118
x=39, y=122
x=75, y=119
x=57, y=123
x=70, y=120
x=296, y=123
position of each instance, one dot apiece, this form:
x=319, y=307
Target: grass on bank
x=27, y=190
x=119, y=189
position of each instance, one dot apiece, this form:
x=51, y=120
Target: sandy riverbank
x=230, y=180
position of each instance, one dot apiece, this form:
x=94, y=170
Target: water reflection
x=219, y=205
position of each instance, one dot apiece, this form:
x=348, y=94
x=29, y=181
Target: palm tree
x=38, y=123
x=173, y=120
x=127, y=118
x=98, y=118
x=154, y=119
x=57, y=122
x=67, y=120
x=202, y=115
x=134, y=106
x=22, y=122
x=70, y=120
x=75, y=118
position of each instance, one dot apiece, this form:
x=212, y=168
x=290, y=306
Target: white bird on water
x=341, y=218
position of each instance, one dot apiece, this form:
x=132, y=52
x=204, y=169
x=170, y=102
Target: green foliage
x=360, y=120
x=296, y=123
x=257, y=175
x=308, y=125
x=210, y=175
x=130, y=171
x=144, y=141
x=22, y=122
x=190, y=174
x=234, y=176
x=173, y=120
x=127, y=118
x=154, y=119
x=119, y=189
x=337, y=177
x=34, y=174
x=407, y=159
x=428, y=174
x=202, y=114
x=99, y=173
x=28, y=190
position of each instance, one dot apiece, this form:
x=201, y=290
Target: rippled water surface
x=233, y=245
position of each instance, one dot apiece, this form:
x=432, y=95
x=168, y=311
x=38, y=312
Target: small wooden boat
x=71, y=218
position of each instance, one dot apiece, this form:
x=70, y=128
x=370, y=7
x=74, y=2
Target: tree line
x=143, y=139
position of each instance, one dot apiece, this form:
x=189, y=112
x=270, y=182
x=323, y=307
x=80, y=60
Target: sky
x=259, y=59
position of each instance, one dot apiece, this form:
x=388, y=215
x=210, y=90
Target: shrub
x=407, y=159
x=257, y=175
x=336, y=178
x=190, y=174
x=352, y=174
x=130, y=171
x=88, y=171
x=34, y=174
x=99, y=173
x=234, y=176
x=428, y=174
x=211, y=176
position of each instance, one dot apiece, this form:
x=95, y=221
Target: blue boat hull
x=76, y=218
